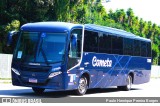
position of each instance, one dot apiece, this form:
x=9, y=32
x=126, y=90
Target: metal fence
x=6, y=59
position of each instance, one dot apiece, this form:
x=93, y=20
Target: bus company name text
x=101, y=63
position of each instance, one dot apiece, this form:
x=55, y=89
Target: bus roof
x=49, y=26
x=116, y=32
x=64, y=26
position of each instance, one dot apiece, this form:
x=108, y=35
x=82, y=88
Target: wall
x=155, y=72
x=5, y=65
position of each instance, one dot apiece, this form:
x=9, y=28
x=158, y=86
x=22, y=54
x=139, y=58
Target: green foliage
x=155, y=53
x=13, y=26
x=14, y=13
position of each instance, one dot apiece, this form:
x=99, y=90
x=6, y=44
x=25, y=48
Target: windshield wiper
x=44, y=56
x=43, y=53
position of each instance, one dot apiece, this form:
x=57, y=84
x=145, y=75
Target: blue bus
x=65, y=56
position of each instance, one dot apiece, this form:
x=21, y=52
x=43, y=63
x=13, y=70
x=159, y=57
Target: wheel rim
x=129, y=85
x=82, y=85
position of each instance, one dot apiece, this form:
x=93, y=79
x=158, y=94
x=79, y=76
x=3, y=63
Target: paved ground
x=151, y=89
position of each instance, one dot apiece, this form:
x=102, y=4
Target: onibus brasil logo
x=101, y=63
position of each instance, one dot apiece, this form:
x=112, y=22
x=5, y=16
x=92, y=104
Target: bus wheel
x=128, y=86
x=38, y=90
x=82, y=86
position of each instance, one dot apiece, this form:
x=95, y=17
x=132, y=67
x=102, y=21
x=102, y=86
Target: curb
x=5, y=81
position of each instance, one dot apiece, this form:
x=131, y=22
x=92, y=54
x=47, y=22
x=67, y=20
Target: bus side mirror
x=73, y=46
x=73, y=41
x=13, y=35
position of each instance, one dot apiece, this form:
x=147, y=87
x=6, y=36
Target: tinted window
x=117, y=45
x=41, y=47
x=137, y=45
x=143, y=49
x=148, y=49
x=128, y=46
x=90, y=41
x=105, y=43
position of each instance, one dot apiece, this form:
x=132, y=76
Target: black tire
x=128, y=86
x=82, y=86
x=38, y=90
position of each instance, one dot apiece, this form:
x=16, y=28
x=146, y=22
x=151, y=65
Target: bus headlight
x=54, y=74
x=15, y=71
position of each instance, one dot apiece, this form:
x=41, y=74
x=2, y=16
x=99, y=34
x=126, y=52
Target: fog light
x=15, y=71
x=54, y=74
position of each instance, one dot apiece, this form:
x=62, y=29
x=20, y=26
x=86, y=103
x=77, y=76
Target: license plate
x=32, y=80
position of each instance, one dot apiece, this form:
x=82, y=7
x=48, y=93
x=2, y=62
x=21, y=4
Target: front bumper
x=55, y=83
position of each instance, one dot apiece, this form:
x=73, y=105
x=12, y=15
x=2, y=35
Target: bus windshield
x=41, y=47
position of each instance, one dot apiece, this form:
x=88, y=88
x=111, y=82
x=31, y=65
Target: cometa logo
x=101, y=63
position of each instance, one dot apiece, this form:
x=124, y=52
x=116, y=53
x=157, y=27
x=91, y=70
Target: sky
x=149, y=10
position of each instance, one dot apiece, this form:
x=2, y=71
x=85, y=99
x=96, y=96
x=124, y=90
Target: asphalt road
x=151, y=89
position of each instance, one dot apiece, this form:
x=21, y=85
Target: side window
x=90, y=41
x=143, y=49
x=128, y=46
x=137, y=45
x=105, y=44
x=74, y=47
x=75, y=43
x=117, y=45
x=148, y=49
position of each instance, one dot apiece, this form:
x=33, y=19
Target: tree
x=14, y=13
x=120, y=14
x=142, y=27
x=149, y=30
x=155, y=54
x=130, y=15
